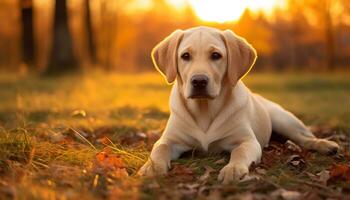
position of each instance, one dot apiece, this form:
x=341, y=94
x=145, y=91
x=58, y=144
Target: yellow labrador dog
x=212, y=109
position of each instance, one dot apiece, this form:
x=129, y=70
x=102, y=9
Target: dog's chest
x=202, y=115
x=209, y=141
x=203, y=143
x=208, y=137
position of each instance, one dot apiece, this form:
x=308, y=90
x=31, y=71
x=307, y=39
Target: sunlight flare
x=229, y=10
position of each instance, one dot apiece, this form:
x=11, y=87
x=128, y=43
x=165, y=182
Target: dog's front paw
x=232, y=172
x=151, y=168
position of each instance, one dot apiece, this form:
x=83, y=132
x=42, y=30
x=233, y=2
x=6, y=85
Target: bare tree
x=324, y=11
x=62, y=57
x=329, y=34
x=89, y=32
x=27, y=32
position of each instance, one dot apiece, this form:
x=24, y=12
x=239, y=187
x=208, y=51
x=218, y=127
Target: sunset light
x=174, y=99
x=229, y=10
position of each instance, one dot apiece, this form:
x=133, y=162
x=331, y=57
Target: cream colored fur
x=232, y=118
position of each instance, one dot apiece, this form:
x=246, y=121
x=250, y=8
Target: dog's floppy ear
x=164, y=55
x=240, y=56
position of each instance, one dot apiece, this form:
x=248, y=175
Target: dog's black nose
x=199, y=81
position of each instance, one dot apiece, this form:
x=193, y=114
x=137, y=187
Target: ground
x=85, y=136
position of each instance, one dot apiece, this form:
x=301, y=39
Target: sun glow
x=229, y=10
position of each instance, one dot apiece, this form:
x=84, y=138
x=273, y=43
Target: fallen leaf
x=311, y=175
x=260, y=170
x=188, y=188
x=296, y=161
x=271, y=154
x=110, y=163
x=153, y=185
x=109, y=160
x=95, y=181
x=56, y=136
x=285, y=194
x=221, y=161
x=142, y=135
x=182, y=173
x=338, y=170
x=292, y=146
x=250, y=177
x=341, y=171
x=181, y=170
x=324, y=176
x=206, y=174
x=133, y=138
x=78, y=113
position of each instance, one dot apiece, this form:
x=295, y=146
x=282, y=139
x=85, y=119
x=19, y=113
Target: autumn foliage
x=119, y=35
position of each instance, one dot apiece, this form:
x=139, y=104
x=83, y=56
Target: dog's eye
x=186, y=56
x=215, y=56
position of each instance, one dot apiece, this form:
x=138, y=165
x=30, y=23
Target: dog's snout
x=199, y=89
x=199, y=81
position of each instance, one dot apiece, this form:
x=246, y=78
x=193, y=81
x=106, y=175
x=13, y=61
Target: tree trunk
x=27, y=32
x=108, y=27
x=89, y=32
x=62, y=57
x=329, y=34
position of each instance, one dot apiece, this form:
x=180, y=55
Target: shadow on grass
x=121, y=113
x=301, y=85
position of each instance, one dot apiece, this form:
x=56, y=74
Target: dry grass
x=52, y=129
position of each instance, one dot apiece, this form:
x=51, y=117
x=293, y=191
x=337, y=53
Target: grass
x=52, y=128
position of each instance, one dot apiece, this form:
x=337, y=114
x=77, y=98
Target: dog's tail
x=286, y=124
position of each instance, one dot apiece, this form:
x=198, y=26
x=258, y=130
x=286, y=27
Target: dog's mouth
x=200, y=94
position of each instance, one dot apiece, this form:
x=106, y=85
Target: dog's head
x=203, y=59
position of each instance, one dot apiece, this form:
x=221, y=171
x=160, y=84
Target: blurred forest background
x=50, y=36
x=84, y=135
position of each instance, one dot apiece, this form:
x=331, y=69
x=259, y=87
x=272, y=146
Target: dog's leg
x=159, y=161
x=161, y=155
x=242, y=156
x=286, y=124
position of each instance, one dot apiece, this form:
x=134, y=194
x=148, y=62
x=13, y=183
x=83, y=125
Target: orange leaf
x=107, y=160
x=341, y=171
x=182, y=173
x=338, y=170
x=181, y=170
